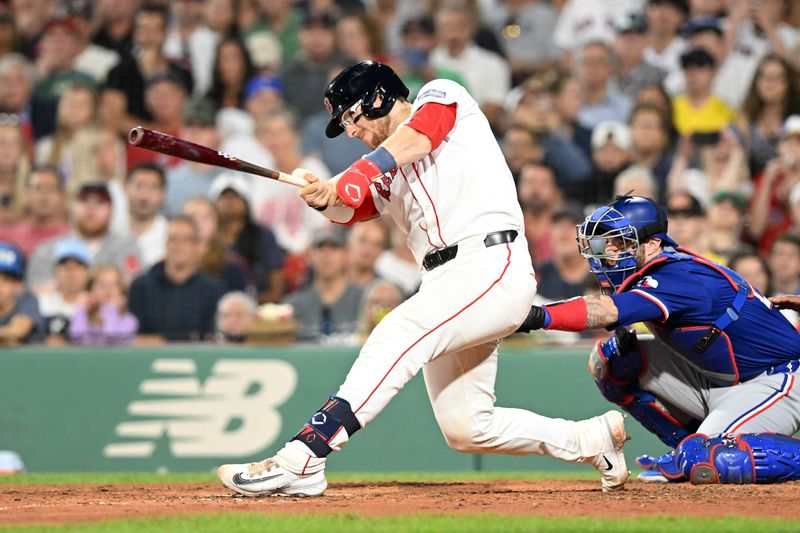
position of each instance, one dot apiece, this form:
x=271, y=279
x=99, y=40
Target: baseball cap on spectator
x=97, y=188
x=613, y=132
x=791, y=127
x=262, y=83
x=697, y=57
x=228, y=181
x=333, y=235
x=694, y=209
x=169, y=77
x=680, y=5
x=12, y=262
x=701, y=24
x=71, y=248
x=630, y=23
x=265, y=50
x=736, y=199
x=319, y=19
x=422, y=24
x=198, y=112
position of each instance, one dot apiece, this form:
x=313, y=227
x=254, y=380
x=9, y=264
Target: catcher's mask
x=610, y=237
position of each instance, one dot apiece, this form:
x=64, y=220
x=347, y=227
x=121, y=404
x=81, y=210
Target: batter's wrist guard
x=353, y=186
x=537, y=319
x=333, y=417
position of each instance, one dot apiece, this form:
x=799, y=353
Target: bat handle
x=291, y=180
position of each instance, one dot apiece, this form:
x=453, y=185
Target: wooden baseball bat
x=183, y=149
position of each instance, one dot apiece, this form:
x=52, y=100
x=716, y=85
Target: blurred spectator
x=657, y=96
x=601, y=100
x=10, y=41
x=306, y=76
x=190, y=42
x=328, y=309
x=91, y=214
x=380, y=297
x=392, y=16
x=174, y=299
x=220, y=16
x=583, y=21
x=254, y=243
x=567, y=99
x=70, y=268
x=14, y=168
x=110, y=161
x=45, y=212
x=30, y=19
x=235, y=311
x=769, y=213
x=216, y=259
x=58, y=50
x=784, y=264
x=774, y=95
x=359, y=37
x=165, y=95
x=284, y=19
x=115, y=25
x=525, y=29
x=365, y=243
x=397, y=264
x=273, y=204
x=521, y=146
x=71, y=146
x=265, y=52
x=664, y=44
x=539, y=197
x=262, y=94
x=20, y=321
x=635, y=180
x=699, y=110
x=566, y=274
x=725, y=223
x=103, y=319
x=231, y=71
x=92, y=59
x=754, y=268
x=122, y=104
x=632, y=72
x=611, y=154
x=487, y=75
x=188, y=178
x=145, y=190
x=650, y=144
x=688, y=224
x=17, y=76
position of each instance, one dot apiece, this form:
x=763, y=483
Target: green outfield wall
x=189, y=408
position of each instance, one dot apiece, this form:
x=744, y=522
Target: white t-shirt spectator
x=583, y=21
x=487, y=75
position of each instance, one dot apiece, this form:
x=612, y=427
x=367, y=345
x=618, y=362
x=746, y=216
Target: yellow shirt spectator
x=712, y=116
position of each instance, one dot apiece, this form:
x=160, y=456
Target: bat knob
x=135, y=135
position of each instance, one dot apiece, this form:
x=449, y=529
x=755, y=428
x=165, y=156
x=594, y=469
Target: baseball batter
x=437, y=170
x=717, y=382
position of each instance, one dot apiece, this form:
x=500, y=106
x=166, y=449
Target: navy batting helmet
x=362, y=83
x=631, y=220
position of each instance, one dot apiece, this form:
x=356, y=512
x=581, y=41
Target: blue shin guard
x=333, y=417
x=616, y=365
x=747, y=458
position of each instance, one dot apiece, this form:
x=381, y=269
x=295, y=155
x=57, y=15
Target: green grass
x=104, y=478
x=483, y=523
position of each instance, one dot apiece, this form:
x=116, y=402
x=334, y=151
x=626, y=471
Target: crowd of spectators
x=695, y=103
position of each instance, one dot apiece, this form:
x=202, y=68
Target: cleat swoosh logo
x=239, y=480
x=608, y=465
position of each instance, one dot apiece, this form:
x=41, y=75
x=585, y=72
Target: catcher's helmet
x=632, y=220
x=362, y=82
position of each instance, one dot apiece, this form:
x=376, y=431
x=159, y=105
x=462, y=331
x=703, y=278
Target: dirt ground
x=59, y=504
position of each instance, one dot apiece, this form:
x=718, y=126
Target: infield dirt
x=62, y=504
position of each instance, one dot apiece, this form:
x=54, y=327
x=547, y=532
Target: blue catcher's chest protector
x=722, y=343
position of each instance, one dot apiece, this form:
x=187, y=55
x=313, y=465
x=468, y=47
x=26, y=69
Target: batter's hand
x=786, y=301
x=319, y=194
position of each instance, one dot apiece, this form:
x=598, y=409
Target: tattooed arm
x=577, y=314
x=601, y=311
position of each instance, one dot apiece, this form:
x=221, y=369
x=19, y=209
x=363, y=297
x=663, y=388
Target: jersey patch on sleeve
x=433, y=93
x=648, y=282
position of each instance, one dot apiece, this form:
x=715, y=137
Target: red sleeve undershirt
x=434, y=121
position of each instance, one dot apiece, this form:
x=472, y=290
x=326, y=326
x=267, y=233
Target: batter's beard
x=382, y=132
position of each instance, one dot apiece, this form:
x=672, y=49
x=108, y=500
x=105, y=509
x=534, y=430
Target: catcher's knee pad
x=616, y=365
x=333, y=417
x=747, y=458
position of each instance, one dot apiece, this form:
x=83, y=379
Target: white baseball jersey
x=462, y=189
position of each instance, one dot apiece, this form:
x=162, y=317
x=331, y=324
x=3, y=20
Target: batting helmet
x=631, y=220
x=362, y=83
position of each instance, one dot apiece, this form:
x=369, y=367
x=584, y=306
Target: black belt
x=441, y=256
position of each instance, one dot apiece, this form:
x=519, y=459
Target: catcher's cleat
x=267, y=477
x=610, y=462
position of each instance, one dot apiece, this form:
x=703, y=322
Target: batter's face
x=371, y=132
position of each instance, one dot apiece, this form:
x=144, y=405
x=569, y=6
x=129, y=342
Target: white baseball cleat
x=267, y=477
x=610, y=427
